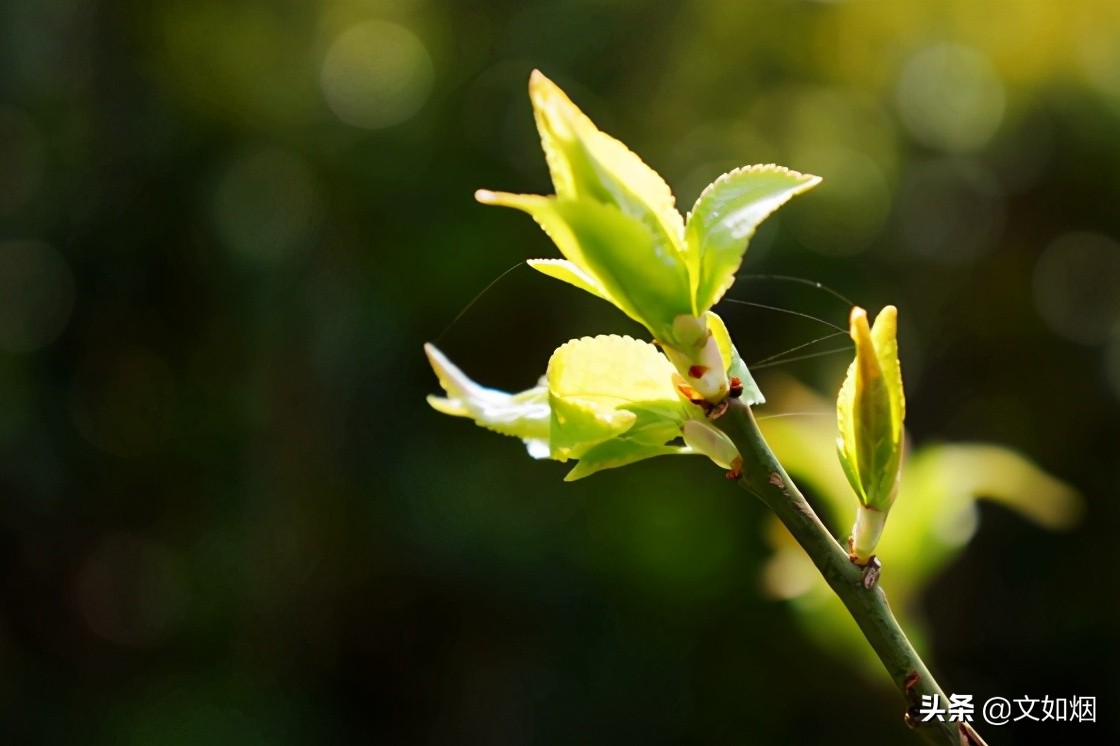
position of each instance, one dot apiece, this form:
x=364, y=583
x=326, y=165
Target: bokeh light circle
x=951, y=211
x=131, y=590
x=1077, y=287
x=36, y=295
x=950, y=97
x=376, y=74
x=267, y=206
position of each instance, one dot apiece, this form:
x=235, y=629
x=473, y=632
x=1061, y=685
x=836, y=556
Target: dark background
x=226, y=228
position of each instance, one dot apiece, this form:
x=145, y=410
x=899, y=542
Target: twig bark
x=764, y=477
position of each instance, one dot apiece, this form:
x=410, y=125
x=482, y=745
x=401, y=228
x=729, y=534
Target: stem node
x=871, y=572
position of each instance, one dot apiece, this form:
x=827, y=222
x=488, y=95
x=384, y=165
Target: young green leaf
x=566, y=271
x=870, y=410
x=525, y=415
x=586, y=163
x=619, y=452
x=617, y=255
x=593, y=382
x=725, y=217
x=606, y=401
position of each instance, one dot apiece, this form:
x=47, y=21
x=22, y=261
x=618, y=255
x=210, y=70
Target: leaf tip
x=857, y=322
x=885, y=328
x=542, y=89
x=435, y=357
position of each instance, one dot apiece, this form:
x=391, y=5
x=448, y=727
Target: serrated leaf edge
x=810, y=180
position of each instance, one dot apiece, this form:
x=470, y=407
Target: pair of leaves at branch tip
x=587, y=165
x=615, y=221
x=607, y=401
x=870, y=410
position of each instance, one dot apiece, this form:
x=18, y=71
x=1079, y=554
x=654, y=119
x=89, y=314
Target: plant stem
x=764, y=477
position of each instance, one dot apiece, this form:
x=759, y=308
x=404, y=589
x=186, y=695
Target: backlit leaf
x=725, y=217
x=586, y=163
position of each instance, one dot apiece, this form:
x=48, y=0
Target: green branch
x=764, y=477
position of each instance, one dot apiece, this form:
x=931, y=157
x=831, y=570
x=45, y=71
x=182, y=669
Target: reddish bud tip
x=736, y=388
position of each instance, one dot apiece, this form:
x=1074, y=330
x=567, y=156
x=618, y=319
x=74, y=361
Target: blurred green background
x=226, y=228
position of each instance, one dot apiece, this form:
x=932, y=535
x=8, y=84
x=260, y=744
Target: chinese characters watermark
x=1001, y=710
